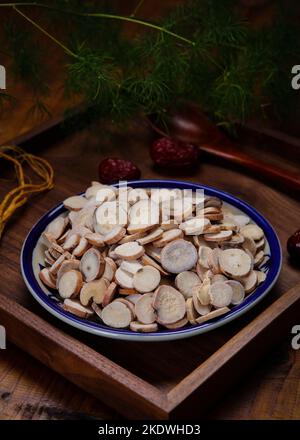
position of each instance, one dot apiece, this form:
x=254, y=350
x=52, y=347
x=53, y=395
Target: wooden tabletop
x=28, y=390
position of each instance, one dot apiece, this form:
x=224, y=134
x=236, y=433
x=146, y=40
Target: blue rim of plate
x=274, y=267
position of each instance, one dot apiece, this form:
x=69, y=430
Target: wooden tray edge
x=129, y=394
x=123, y=391
x=227, y=365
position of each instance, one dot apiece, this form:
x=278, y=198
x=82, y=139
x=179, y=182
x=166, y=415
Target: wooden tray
x=153, y=380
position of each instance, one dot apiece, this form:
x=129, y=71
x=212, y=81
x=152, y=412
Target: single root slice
x=66, y=266
x=127, y=292
x=186, y=281
x=212, y=201
x=218, y=277
x=48, y=239
x=124, y=279
x=75, y=203
x=202, y=292
x=137, y=194
x=92, y=265
x=203, y=273
x=213, y=261
x=109, y=215
x=204, y=252
x=153, y=252
x=93, y=291
x=261, y=276
x=214, y=217
x=146, y=279
x=259, y=258
x=148, y=261
x=71, y=242
x=240, y=220
x=115, y=235
x=136, y=228
x=260, y=245
x=105, y=193
x=181, y=209
x=179, y=324
x=144, y=213
x=95, y=239
x=200, y=308
x=219, y=237
x=249, y=244
x=191, y=312
x=109, y=294
x=70, y=284
x=129, y=251
x=220, y=294
x=74, y=307
x=49, y=259
x=169, y=304
x=227, y=226
x=178, y=256
x=92, y=191
x=55, y=267
x=214, y=229
x=136, y=326
x=209, y=210
x=54, y=253
x=238, y=291
x=47, y=278
x=56, y=228
x=195, y=226
x=250, y=281
x=110, y=269
x=235, y=262
x=131, y=266
x=55, y=250
x=111, y=252
x=96, y=309
x=84, y=217
x=144, y=310
x=132, y=237
x=168, y=224
x=81, y=248
x=116, y=315
x=130, y=306
x=133, y=298
x=168, y=237
x=154, y=235
x=252, y=231
x=211, y=315
x=82, y=231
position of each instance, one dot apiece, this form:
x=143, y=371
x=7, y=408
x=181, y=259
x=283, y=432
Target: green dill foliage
x=39, y=110
x=203, y=50
x=27, y=65
x=26, y=56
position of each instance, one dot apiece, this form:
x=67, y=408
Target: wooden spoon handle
x=275, y=173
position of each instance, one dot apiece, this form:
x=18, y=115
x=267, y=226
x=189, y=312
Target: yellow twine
x=19, y=195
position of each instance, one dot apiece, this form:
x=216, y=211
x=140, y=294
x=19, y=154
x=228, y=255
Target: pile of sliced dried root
x=159, y=273
x=19, y=195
